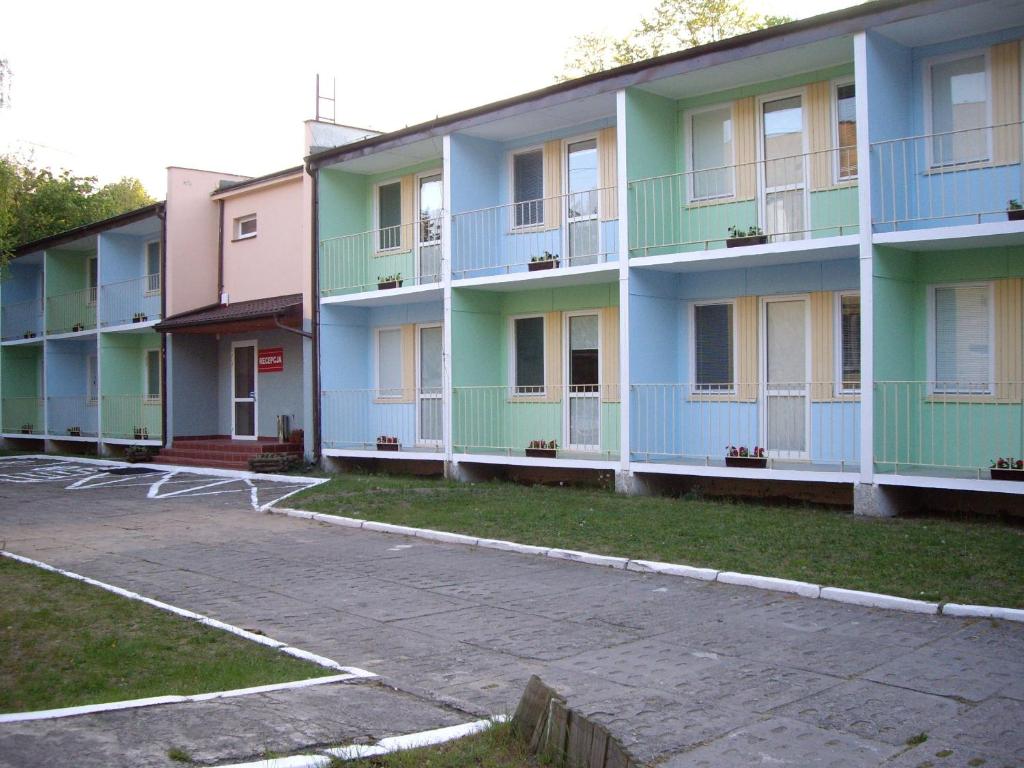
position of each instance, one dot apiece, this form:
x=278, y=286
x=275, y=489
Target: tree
x=674, y=26
x=5, y=83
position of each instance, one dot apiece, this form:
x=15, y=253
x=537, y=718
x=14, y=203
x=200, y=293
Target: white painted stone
x=301, y=513
x=588, y=558
x=511, y=546
x=298, y=653
x=672, y=569
x=802, y=588
x=404, y=530
x=983, y=611
x=446, y=537
x=875, y=600
x=345, y=522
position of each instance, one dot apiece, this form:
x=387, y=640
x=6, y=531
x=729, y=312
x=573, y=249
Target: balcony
x=74, y=416
x=22, y=415
x=553, y=233
x=410, y=419
x=132, y=418
x=784, y=199
x=808, y=426
x=947, y=428
x=71, y=312
x=130, y=301
x=945, y=179
x=503, y=421
x=22, y=320
x=392, y=257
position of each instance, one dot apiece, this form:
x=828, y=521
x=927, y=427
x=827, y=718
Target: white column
x=867, y=359
x=623, y=247
x=446, y=284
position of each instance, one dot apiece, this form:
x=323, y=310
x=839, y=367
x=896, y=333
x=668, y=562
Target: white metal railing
x=566, y=230
x=132, y=417
x=73, y=416
x=23, y=415
x=786, y=198
x=940, y=179
x=409, y=419
x=583, y=420
x=807, y=425
x=22, y=319
x=407, y=254
x=947, y=425
x=72, y=311
x=130, y=301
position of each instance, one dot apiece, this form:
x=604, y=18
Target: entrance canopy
x=258, y=314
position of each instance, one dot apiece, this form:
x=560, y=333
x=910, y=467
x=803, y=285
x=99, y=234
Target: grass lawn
x=65, y=643
x=497, y=747
x=966, y=561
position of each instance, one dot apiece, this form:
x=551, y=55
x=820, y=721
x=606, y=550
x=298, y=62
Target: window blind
x=529, y=351
x=389, y=362
x=849, y=333
x=713, y=352
x=963, y=339
x=528, y=187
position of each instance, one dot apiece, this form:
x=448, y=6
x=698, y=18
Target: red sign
x=271, y=360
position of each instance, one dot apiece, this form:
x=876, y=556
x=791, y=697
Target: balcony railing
x=410, y=419
x=132, y=417
x=568, y=230
x=801, y=425
x=73, y=416
x=130, y=301
x=947, y=427
x=73, y=311
x=22, y=319
x=788, y=198
x=501, y=420
x=366, y=261
x=943, y=179
x=23, y=415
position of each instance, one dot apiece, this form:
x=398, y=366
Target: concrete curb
x=771, y=583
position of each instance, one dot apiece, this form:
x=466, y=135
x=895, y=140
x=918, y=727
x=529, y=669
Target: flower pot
x=78, y=327
x=74, y=431
x=1015, y=214
x=1007, y=474
x=388, y=446
x=541, y=453
x=389, y=284
x=738, y=242
x=27, y=430
x=142, y=434
x=747, y=462
x=536, y=266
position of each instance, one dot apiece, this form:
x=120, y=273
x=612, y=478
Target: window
x=93, y=277
x=961, y=339
x=846, y=131
x=389, y=216
x=959, y=109
x=711, y=154
x=713, y=347
x=528, y=188
x=848, y=342
x=528, y=355
x=153, y=266
x=92, y=380
x=153, y=374
x=389, y=363
x=245, y=227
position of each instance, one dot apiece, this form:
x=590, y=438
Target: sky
x=112, y=89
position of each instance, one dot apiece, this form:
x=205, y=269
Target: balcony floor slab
x=951, y=238
x=588, y=274
x=779, y=470
x=937, y=477
x=130, y=327
x=407, y=453
x=564, y=459
x=789, y=252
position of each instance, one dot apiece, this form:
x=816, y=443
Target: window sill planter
x=542, y=453
x=141, y=433
x=30, y=335
x=387, y=284
x=74, y=431
x=739, y=242
x=1015, y=214
x=1007, y=474
x=537, y=266
x=28, y=429
x=746, y=462
x=389, y=446
x=77, y=327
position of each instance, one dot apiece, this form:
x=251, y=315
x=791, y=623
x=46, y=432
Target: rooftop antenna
x=325, y=102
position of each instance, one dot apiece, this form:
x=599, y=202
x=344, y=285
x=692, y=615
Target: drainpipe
x=314, y=294
x=220, y=252
x=162, y=215
x=283, y=327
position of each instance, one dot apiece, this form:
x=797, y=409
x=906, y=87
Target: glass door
x=243, y=390
x=428, y=230
x=583, y=396
x=429, y=411
x=583, y=228
x=783, y=170
x=785, y=411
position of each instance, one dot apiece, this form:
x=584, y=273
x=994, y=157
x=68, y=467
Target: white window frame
x=697, y=390
x=146, y=395
x=159, y=273
x=688, y=149
x=378, y=390
x=930, y=338
x=762, y=163
x=837, y=161
x=92, y=371
x=926, y=81
x=420, y=397
x=511, y=162
x=376, y=217
x=239, y=221
x=838, y=333
x=512, y=386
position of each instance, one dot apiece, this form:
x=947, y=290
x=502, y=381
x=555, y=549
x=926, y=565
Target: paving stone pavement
x=686, y=673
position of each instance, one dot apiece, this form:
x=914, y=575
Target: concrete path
x=689, y=673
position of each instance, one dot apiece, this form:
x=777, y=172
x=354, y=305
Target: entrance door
x=785, y=364
x=583, y=396
x=583, y=235
x=428, y=385
x=428, y=230
x=243, y=390
x=784, y=170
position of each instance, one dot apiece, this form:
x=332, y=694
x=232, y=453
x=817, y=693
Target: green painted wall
x=67, y=271
x=123, y=362
x=835, y=212
x=21, y=387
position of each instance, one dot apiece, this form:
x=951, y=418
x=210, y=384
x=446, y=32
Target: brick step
x=239, y=446
x=209, y=455
x=216, y=464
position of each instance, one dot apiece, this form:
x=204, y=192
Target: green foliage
x=5, y=83
x=675, y=25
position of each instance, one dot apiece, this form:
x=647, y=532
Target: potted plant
x=542, y=449
x=389, y=281
x=547, y=261
x=1009, y=468
x=30, y=334
x=78, y=327
x=740, y=456
x=141, y=433
x=1014, y=210
x=27, y=429
x=74, y=431
x=136, y=453
x=387, y=443
x=750, y=236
